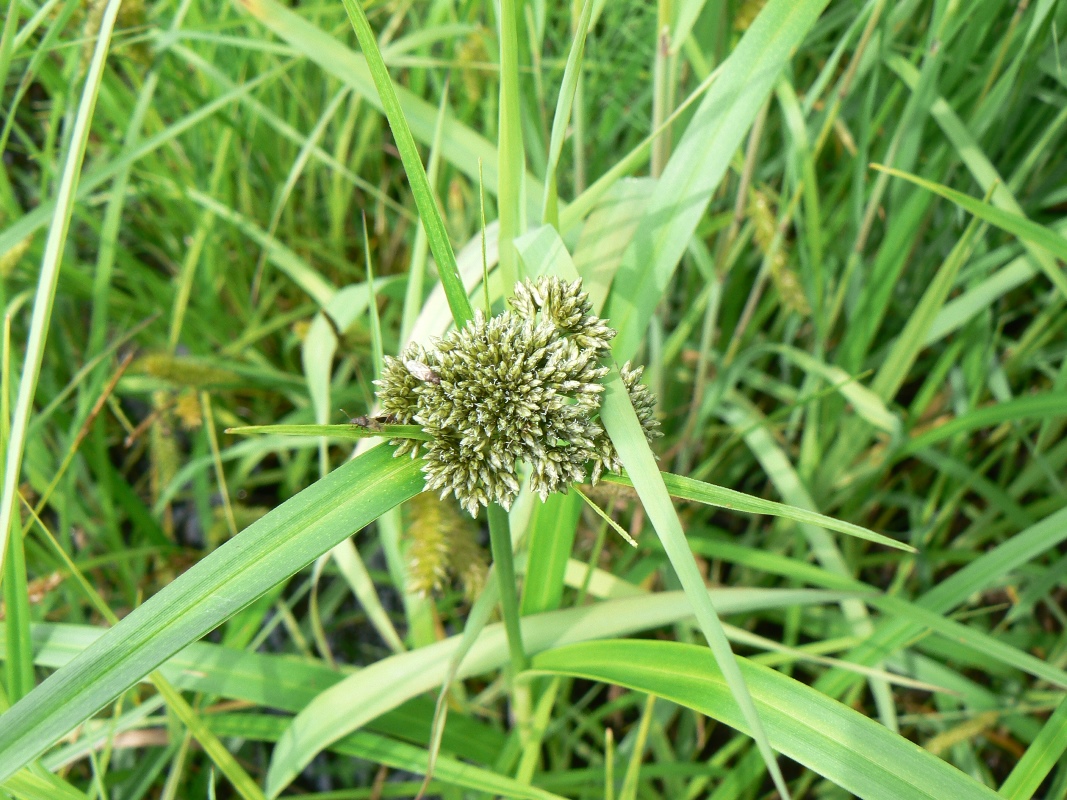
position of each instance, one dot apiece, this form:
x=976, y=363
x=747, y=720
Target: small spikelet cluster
x=567, y=308
x=443, y=548
x=398, y=393
x=644, y=403
x=523, y=386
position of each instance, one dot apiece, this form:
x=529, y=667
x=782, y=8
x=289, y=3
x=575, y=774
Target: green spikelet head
x=521, y=387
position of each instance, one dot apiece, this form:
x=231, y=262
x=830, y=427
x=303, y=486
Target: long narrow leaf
x=50, y=263
x=698, y=491
x=699, y=163
x=561, y=119
x=839, y=743
x=413, y=168
x=1015, y=224
x=357, y=699
x=621, y=423
x=267, y=552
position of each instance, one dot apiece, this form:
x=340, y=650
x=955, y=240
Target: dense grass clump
x=832, y=231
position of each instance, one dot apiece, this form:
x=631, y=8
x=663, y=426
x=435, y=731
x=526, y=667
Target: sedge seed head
x=522, y=386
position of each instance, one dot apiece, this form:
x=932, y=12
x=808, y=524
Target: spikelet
x=163, y=452
x=746, y=14
x=188, y=410
x=10, y=259
x=785, y=280
x=443, y=548
x=471, y=57
x=183, y=370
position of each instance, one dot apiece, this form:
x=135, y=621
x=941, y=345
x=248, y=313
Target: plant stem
x=500, y=541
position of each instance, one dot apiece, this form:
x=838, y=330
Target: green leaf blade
x=853, y=751
x=269, y=551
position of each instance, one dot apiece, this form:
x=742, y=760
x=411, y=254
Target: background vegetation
x=206, y=222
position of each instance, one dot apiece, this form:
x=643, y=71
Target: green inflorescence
x=522, y=386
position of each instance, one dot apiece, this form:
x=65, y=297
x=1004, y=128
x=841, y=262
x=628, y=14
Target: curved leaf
x=699, y=162
x=348, y=705
x=684, y=488
x=269, y=551
x=830, y=738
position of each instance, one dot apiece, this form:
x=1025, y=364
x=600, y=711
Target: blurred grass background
x=219, y=210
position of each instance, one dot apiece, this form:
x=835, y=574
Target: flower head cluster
x=523, y=386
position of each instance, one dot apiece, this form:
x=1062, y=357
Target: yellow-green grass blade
x=622, y=425
x=18, y=655
x=354, y=701
x=1040, y=757
x=425, y=201
x=378, y=749
x=1016, y=224
x=267, y=552
x=350, y=432
x=37, y=786
x=828, y=737
x=504, y=573
x=414, y=294
x=51, y=261
x=510, y=152
x=685, y=488
x=549, y=540
x=562, y=117
x=699, y=162
x=1047, y=405
x=197, y=727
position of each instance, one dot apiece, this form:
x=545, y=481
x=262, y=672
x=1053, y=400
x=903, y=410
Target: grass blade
x=699, y=163
x=49, y=277
x=846, y=747
x=621, y=423
x=379, y=749
x=512, y=156
x=685, y=488
x=1040, y=757
x=561, y=119
x=1015, y=224
x=416, y=173
x=268, y=551
x=353, y=701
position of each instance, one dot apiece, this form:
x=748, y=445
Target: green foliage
x=832, y=232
